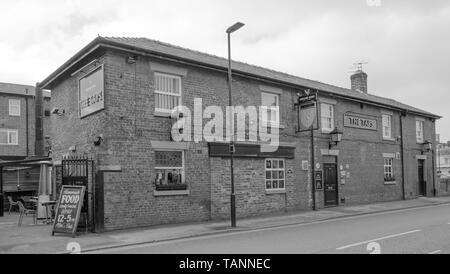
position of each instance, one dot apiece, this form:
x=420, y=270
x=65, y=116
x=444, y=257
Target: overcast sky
x=405, y=42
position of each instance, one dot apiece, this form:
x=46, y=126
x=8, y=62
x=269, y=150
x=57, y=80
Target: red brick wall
x=128, y=126
x=19, y=123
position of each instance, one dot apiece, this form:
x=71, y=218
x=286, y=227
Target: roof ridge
x=14, y=84
x=234, y=61
x=159, y=47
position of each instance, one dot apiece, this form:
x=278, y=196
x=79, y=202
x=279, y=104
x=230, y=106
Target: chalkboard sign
x=68, y=210
x=318, y=178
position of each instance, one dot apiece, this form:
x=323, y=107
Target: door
x=330, y=184
x=422, y=183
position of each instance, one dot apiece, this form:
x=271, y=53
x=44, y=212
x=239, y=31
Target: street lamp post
x=230, y=30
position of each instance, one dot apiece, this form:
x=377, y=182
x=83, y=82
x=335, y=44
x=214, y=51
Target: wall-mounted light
x=131, y=59
x=336, y=137
x=427, y=146
x=98, y=140
x=58, y=111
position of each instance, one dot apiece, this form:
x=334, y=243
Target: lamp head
x=427, y=146
x=235, y=27
x=336, y=136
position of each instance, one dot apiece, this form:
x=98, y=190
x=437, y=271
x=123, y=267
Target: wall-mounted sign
x=305, y=165
x=318, y=179
x=307, y=112
x=91, y=93
x=290, y=172
x=249, y=150
x=360, y=121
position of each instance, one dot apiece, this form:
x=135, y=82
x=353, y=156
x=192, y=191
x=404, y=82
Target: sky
x=406, y=43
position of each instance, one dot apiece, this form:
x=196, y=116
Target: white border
x=101, y=67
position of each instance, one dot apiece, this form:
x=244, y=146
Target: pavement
x=30, y=238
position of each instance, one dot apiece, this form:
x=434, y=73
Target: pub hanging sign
x=360, y=121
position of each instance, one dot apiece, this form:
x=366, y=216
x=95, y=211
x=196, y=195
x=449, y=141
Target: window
x=327, y=117
x=167, y=92
x=14, y=107
x=9, y=137
x=169, y=170
x=419, y=131
x=47, y=113
x=275, y=171
x=387, y=126
x=268, y=103
x=388, y=170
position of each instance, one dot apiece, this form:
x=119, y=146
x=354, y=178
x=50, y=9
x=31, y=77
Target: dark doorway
x=422, y=182
x=330, y=184
x=79, y=171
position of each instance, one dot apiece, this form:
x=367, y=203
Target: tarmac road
x=423, y=230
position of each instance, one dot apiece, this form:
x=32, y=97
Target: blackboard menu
x=68, y=210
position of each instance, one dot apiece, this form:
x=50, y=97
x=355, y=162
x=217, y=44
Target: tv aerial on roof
x=357, y=67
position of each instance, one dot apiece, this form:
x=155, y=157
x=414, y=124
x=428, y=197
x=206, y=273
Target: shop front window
x=169, y=170
x=388, y=170
x=275, y=174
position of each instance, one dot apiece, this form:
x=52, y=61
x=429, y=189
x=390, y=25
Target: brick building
x=18, y=122
x=114, y=98
x=23, y=135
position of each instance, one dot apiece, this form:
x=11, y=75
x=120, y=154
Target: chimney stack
x=359, y=81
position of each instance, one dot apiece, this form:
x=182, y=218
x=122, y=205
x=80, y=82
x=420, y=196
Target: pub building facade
x=113, y=101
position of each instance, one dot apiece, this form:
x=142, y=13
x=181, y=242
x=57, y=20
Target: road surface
x=423, y=230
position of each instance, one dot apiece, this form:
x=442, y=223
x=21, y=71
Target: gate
x=79, y=171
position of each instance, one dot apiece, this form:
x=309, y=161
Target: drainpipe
x=313, y=190
x=402, y=154
x=26, y=122
x=1, y=191
x=434, y=172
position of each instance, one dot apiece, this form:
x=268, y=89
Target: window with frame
x=14, y=107
x=169, y=170
x=9, y=137
x=389, y=170
x=275, y=174
x=419, y=131
x=387, y=126
x=167, y=92
x=270, y=103
x=327, y=117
